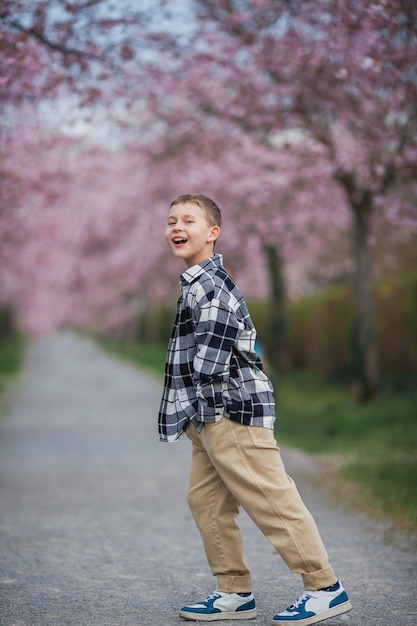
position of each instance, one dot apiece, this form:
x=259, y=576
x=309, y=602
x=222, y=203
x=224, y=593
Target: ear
x=214, y=233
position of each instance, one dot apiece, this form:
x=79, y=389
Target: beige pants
x=235, y=465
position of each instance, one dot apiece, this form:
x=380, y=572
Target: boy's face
x=189, y=234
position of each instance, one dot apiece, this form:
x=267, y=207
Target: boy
x=217, y=392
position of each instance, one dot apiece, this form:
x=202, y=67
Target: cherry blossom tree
x=343, y=75
x=77, y=233
x=90, y=47
x=83, y=227
x=71, y=216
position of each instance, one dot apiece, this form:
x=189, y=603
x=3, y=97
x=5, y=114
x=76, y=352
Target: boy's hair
x=208, y=205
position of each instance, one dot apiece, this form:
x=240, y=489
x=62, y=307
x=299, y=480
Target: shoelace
x=300, y=600
x=214, y=595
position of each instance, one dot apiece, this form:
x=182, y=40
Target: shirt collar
x=191, y=273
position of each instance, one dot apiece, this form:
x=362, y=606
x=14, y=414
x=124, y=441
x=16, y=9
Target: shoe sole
x=336, y=610
x=212, y=617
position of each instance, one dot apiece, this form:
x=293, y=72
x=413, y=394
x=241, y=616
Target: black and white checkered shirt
x=212, y=369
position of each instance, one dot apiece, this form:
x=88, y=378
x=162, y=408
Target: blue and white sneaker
x=315, y=606
x=221, y=606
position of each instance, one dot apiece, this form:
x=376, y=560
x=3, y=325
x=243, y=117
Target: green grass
x=376, y=442
x=11, y=356
x=148, y=355
x=323, y=417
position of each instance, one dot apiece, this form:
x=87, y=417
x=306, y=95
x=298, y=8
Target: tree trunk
x=365, y=364
x=364, y=346
x=275, y=351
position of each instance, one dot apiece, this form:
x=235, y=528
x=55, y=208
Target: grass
x=149, y=355
x=375, y=444
x=11, y=356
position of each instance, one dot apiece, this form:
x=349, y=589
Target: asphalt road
x=94, y=525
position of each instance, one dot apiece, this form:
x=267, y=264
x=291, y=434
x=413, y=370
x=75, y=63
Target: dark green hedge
x=320, y=328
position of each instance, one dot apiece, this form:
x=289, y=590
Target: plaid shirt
x=212, y=369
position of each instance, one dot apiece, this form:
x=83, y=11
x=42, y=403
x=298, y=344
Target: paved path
x=94, y=525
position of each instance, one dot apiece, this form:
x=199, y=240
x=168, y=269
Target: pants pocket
x=262, y=437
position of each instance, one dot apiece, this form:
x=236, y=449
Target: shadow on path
x=94, y=524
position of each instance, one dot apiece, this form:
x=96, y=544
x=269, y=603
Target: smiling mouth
x=179, y=240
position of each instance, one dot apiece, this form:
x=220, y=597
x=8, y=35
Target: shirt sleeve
x=217, y=329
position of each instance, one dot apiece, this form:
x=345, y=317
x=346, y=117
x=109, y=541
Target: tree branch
x=45, y=41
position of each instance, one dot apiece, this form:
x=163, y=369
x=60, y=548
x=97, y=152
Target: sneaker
x=315, y=606
x=221, y=606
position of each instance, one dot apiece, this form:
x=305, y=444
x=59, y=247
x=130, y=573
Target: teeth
x=179, y=240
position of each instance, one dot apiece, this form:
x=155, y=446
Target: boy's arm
x=217, y=329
